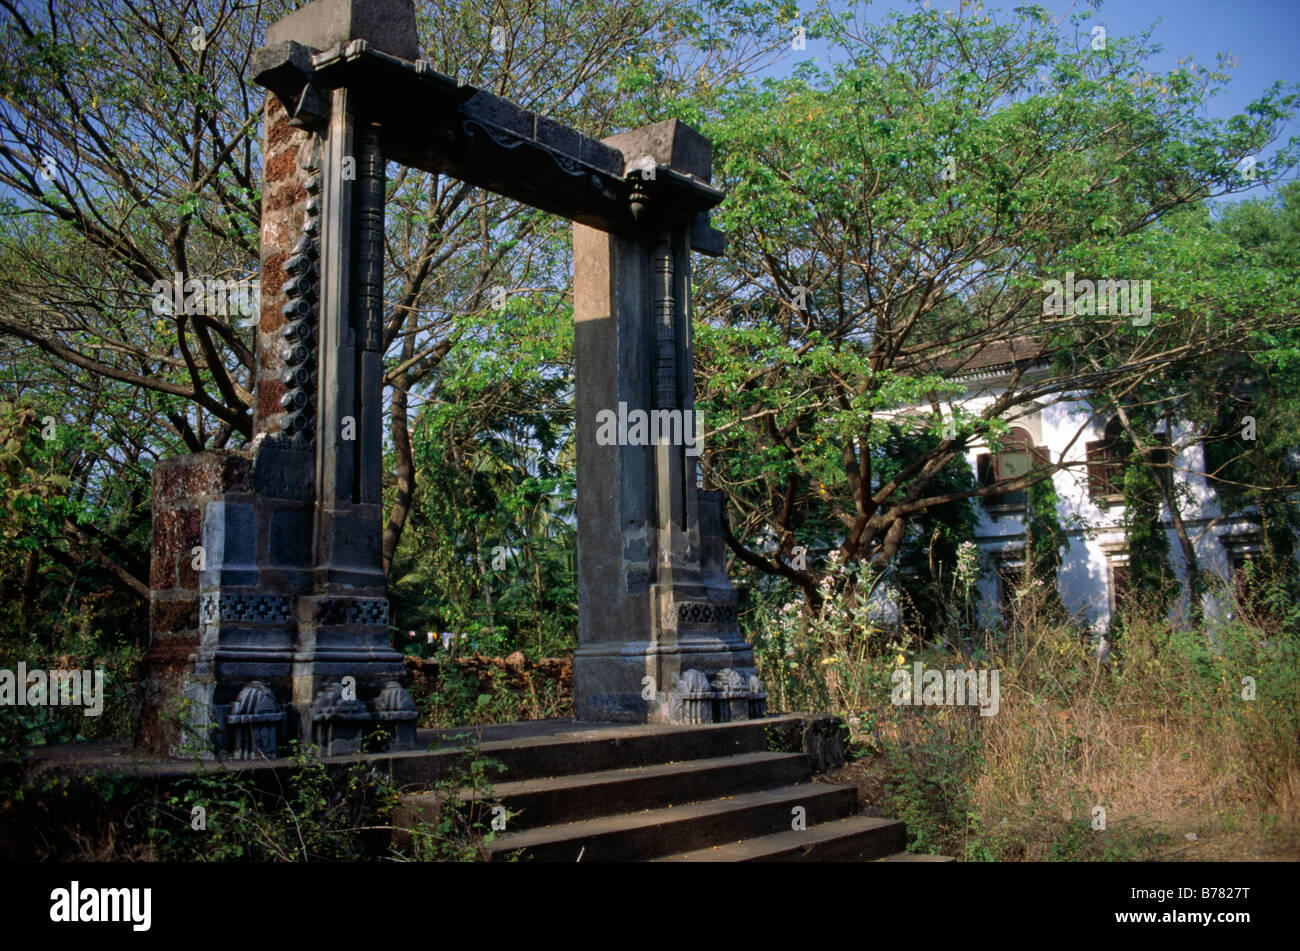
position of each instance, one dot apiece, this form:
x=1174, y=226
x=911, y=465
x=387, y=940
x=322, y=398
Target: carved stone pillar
x=287, y=616
x=657, y=616
x=288, y=608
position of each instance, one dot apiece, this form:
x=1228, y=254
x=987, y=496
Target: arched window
x=1015, y=460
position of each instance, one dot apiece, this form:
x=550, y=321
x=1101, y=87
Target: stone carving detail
x=338, y=724
x=701, y=612
x=757, y=698
x=369, y=309
x=301, y=313
x=255, y=718
x=506, y=140
x=731, y=692
x=637, y=198
x=664, y=308
x=569, y=166
x=397, y=714
x=353, y=611
x=691, y=701
x=369, y=612
x=259, y=608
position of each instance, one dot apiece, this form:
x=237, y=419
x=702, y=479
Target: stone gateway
x=268, y=609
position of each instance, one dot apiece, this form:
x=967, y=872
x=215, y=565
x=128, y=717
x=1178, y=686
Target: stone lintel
x=432, y=122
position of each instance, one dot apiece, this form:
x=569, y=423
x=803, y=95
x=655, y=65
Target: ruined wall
x=184, y=488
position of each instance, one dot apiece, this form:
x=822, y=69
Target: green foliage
x=929, y=773
x=315, y=816
x=164, y=179
x=473, y=691
x=860, y=273
x=461, y=829
x=305, y=810
x=1151, y=580
x=1045, y=538
x=302, y=811
x=1077, y=840
x=55, y=597
x=489, y=546
x=927, y=577
x=815, y=661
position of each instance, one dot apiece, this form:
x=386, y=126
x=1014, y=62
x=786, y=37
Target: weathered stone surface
x=162, y=675
x=671, y=143
x=172, y=616
x=200, y=501
x=292, y=610
x=356, y=540
x=285, y=197
x=281, y=472
x=602, y=156
x=705, y=238
x=557, y=136
x=502, y=113
x=201, y=474
x=289, y=536
x=654, y=599
x=281, y=166
x=387, y=25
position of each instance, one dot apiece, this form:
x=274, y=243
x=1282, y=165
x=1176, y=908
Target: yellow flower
x=901, y=660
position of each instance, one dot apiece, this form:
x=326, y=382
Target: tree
x=1045, y=541
x=927, y=560
x=897, y=215
x=129, y=154
x=1232, y=408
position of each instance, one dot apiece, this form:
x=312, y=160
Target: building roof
x=986, y=357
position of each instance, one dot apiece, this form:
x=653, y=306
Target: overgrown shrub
x=1178, y=731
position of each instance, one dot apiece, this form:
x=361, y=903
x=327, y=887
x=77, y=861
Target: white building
x=1094, y=568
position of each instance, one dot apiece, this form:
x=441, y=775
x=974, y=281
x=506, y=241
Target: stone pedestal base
x=637, y=682
x=242, y=650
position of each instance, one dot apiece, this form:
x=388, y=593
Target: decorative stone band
x=257, y=608
x=365, y=611
x=702, y=612
x=731, y=695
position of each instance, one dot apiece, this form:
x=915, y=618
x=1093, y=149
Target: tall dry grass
x=1164, y=735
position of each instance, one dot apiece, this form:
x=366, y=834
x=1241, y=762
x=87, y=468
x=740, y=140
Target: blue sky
x=1263, y=34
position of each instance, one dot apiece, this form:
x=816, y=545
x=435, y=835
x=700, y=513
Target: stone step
x=565, y=749
x=539, y=802
x=915, y=857
x=657, y=832
x=850, y=839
